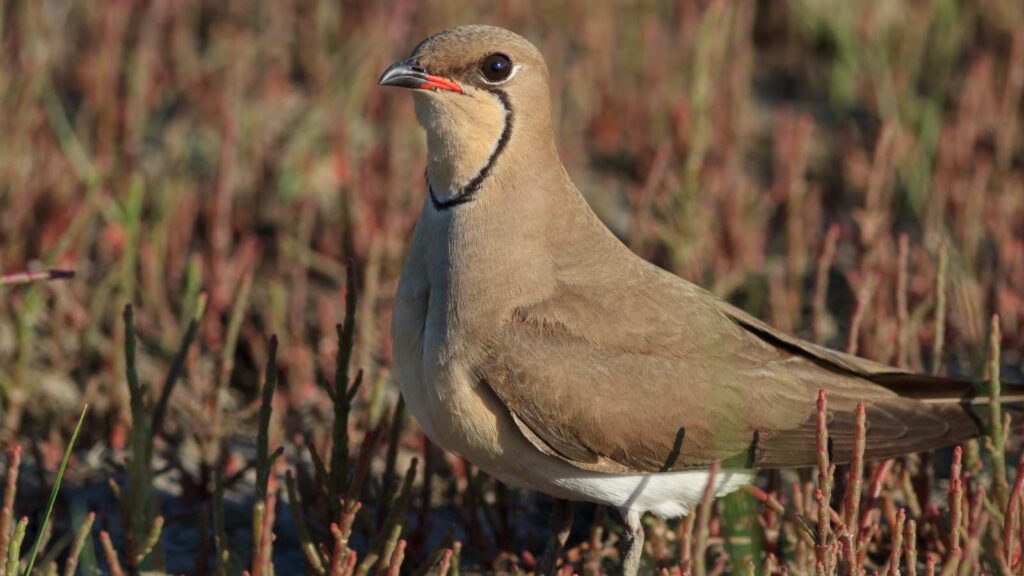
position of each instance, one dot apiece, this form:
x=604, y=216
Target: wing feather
x=660, y=375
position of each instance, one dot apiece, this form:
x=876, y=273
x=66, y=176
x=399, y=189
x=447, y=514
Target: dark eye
x=496, y=67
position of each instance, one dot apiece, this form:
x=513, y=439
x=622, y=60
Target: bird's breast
x=433, y=351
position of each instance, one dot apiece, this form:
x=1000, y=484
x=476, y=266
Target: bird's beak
x=411, y=74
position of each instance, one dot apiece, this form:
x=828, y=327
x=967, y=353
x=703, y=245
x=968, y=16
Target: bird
x=530, y=340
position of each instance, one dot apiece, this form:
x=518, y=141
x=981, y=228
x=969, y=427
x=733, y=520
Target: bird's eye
x=496, y=68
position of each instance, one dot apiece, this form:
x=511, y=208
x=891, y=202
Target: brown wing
x=923, y=387
x=659, y=375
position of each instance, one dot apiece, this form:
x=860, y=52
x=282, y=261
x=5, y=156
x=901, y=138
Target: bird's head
x=475, y=88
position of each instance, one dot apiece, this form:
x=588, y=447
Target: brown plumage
x=703, y=382
x=530, y=340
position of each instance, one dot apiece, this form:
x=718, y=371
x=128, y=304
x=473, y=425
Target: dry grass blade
x=339, y=553
x=956, y=497
x=397, y=557
x=686, y=543
x=341, y=532
x=864, y=297
x=896, y=546
x=855, y=475
x=1011, y=515
x=10, y=492
x=910, y=541
x=152, y=539
x=446, y=563
x=702, y=526
x=113, y=564
x=19, y=278
x=995, y=440
x=81, y=536
x=825, y=261
x=939, y=339
x=823, y=493
x=902, y=313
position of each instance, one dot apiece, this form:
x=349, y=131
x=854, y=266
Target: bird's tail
x=941, y=390
x=965, y=406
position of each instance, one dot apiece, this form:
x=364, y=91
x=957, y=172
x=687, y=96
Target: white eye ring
x=515, y=70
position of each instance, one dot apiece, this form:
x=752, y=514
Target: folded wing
x=659, y=375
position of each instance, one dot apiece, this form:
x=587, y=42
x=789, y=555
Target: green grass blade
x=54, y=490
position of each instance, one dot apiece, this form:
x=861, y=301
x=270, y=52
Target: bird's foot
x=561, y=525
x=632, y=543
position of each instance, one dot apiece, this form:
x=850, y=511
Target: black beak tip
x=404, y=74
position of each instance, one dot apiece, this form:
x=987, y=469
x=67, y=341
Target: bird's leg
x=561, y=524
x=632, y=543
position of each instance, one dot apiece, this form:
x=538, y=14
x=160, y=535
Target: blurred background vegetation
x=812, y=160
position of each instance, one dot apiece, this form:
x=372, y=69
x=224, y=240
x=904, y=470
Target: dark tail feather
x=947, y=391
x=962, y=404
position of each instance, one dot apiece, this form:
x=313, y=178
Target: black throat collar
x=468, y=192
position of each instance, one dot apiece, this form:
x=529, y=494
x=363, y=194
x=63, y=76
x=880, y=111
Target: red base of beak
x=440, y=83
